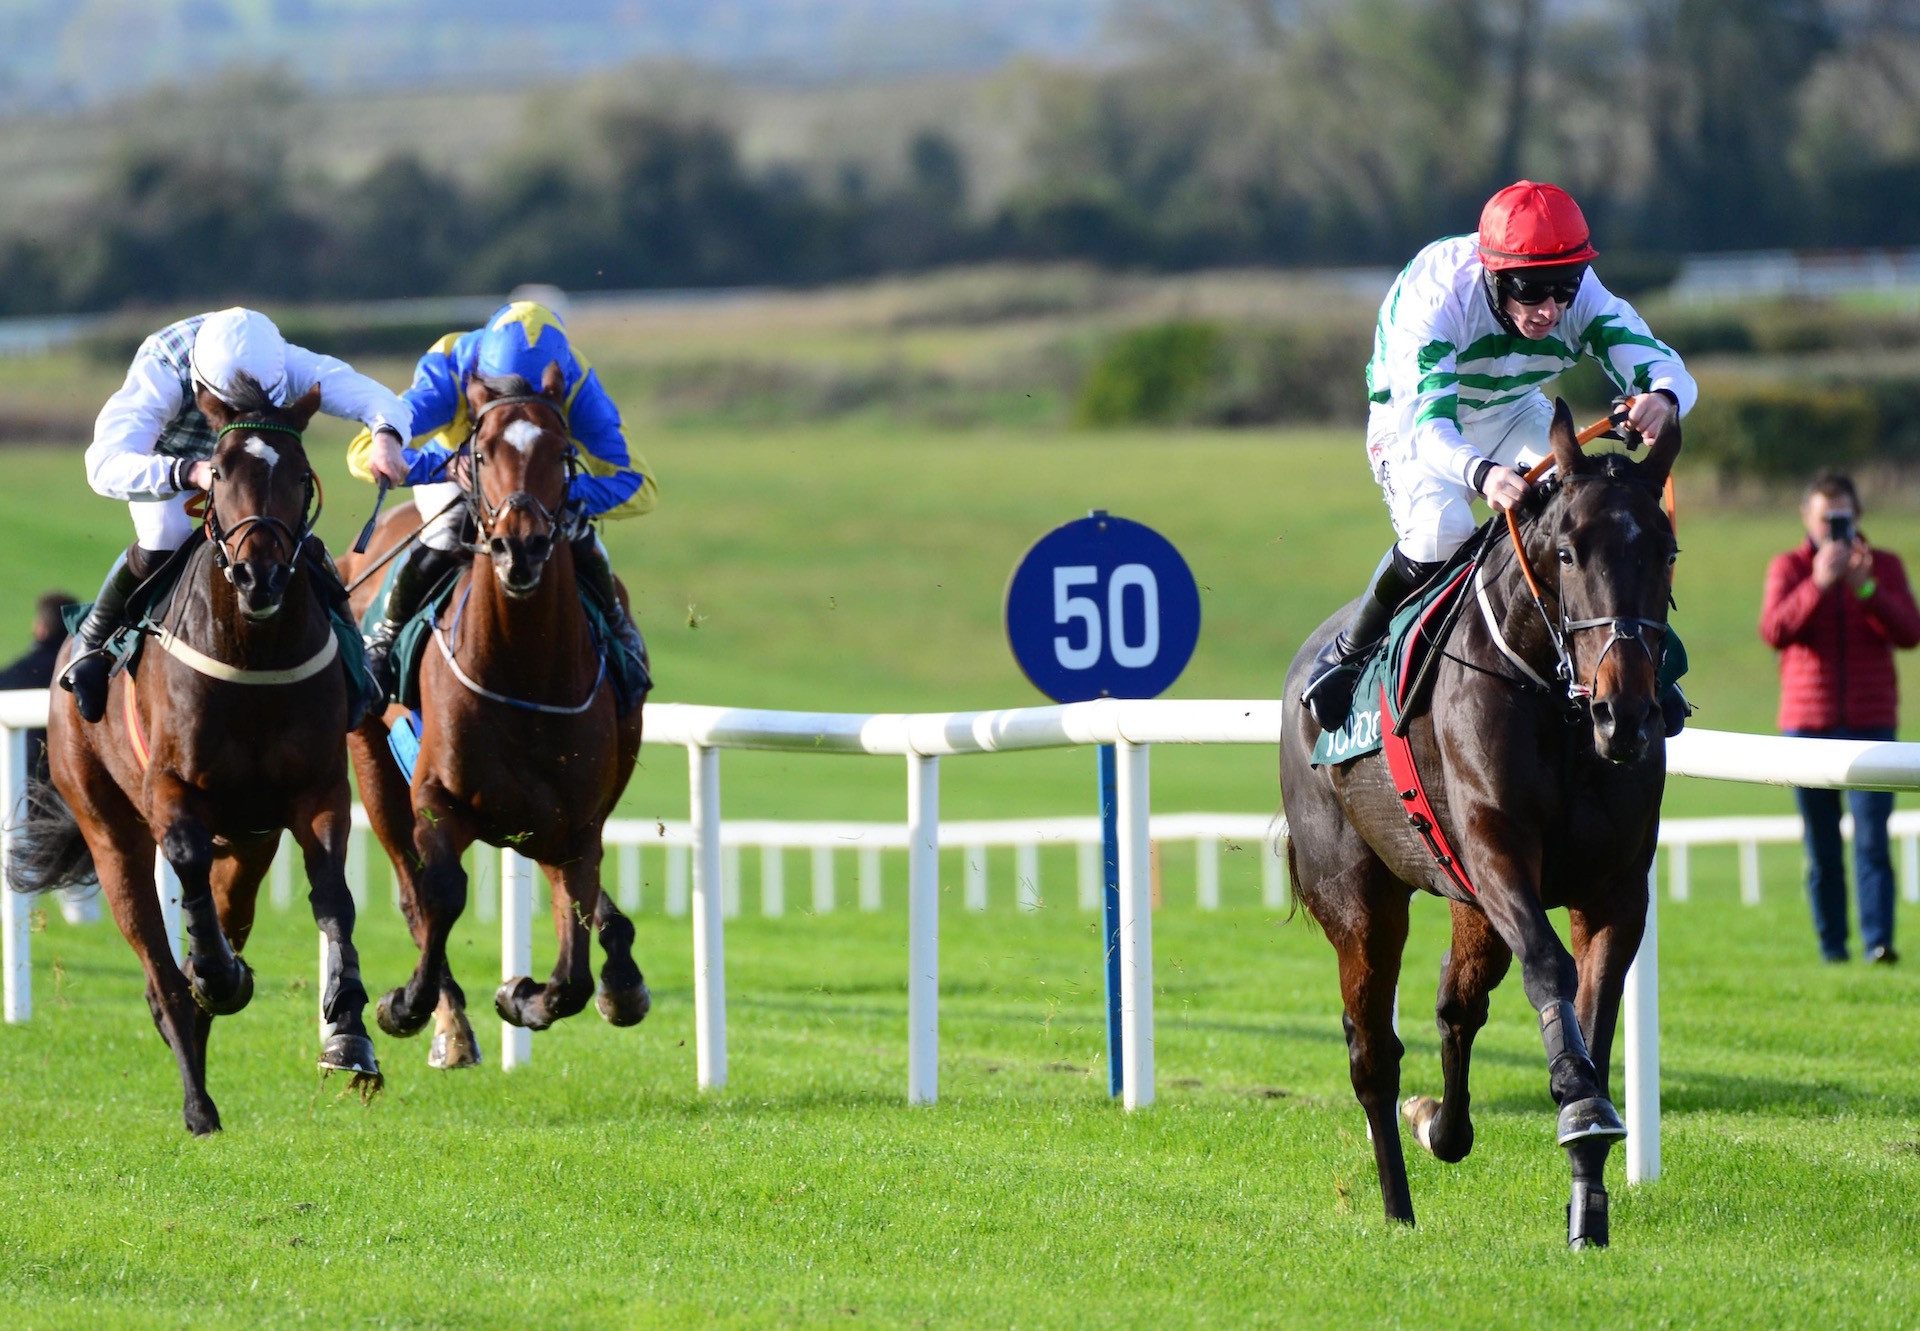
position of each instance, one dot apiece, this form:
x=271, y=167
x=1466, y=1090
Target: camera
x=1840, y=528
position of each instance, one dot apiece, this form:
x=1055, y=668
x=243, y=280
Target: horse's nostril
x=499, y=547
x=1603, y=714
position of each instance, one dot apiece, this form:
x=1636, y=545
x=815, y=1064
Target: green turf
x=860, y=567
x=597, y=1187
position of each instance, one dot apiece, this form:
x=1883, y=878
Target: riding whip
x=366, y=532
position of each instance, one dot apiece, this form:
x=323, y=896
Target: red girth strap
x=1406, y=784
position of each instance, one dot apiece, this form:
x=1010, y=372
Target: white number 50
x=1131, y=651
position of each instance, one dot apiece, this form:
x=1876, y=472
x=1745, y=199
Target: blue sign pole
x=1110, y=908
x=1104, y=607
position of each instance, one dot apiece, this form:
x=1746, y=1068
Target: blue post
x=1110, y=858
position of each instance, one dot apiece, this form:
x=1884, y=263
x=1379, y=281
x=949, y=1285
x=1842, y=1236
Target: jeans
x=1826, y=871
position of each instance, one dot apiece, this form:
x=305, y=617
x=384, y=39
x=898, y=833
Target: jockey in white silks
x=151, y=446
x=1467, y=334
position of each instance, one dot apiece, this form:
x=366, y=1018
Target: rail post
x=709, y=950
x=923, y=929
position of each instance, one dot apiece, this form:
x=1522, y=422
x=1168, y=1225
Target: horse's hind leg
x=434, y=895
x=1473, y=966
x=575, y=887
x=624, y=1000
x=1370, y=937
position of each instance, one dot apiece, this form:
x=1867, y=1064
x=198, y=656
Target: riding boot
x=595, y=575
x=1329, y=690
x=1674, y=709
x=86, y=674
x=420, y=571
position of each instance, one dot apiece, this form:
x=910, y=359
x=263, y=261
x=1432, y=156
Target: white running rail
x=1133, y=726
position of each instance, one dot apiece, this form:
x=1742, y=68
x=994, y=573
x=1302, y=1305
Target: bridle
x=485, y=515
x=226, y=540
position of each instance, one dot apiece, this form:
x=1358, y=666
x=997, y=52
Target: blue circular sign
x=1102, y=608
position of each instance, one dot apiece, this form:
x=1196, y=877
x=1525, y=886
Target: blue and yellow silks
x=521, y=338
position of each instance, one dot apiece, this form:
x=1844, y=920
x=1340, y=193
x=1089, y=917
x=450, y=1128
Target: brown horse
x=1544, y=757
x=229, y=732
x=520, y=743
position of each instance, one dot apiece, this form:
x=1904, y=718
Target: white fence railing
x=1133, y=727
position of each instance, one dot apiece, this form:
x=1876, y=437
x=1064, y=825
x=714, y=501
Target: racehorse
x=229, y=731
x=1544, y=759
x=520, y=742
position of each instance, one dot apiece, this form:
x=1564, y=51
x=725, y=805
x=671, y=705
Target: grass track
x=597, y=1188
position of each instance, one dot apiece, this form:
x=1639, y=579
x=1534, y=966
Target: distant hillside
x=64, y=54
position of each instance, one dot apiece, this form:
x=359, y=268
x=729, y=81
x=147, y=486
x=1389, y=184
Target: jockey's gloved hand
x=1617, y=418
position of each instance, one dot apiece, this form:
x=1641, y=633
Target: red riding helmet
x=1531, y=225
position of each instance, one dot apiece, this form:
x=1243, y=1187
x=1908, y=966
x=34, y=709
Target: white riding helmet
x=239, y=342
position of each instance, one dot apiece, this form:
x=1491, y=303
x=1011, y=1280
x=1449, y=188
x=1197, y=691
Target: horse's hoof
x=387, y=1014
x=510, y=999
x=343, y=1052
x=625, y=1007
x=220, y=1004
x=1592, y=1117
x=203, y=1122
x=1420, y=1111
x=455, y=1049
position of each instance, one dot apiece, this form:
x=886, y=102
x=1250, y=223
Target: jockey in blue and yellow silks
x=522, y=338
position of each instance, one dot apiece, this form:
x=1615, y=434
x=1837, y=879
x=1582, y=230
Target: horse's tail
x=47, y=850
x=1280, y=846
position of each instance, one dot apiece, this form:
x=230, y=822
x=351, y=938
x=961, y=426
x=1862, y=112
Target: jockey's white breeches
x=1433, y=514
x=440, y=509
x=163, y=524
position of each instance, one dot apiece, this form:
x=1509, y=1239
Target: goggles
x=1560, y=288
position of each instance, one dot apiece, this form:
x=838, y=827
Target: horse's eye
x=1566, y=555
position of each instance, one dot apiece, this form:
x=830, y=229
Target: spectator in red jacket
x=1835, y=609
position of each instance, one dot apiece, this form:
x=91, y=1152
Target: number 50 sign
x=1102, y=608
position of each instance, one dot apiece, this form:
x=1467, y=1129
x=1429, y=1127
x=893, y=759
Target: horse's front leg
x=1588, y=1124
x=321, y=826
x=624, y=999
x=1475, y=963
x=1606, y=935
x=442, y=831
x=575, y=888
x=220, y=981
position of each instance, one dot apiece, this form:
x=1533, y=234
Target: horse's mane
x=508, y=385
x=248, y=398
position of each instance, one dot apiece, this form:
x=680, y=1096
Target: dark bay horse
x=230, y=731
x=521, y=744
x=1546, y=781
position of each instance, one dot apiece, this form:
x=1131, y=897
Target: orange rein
x=1539, y=469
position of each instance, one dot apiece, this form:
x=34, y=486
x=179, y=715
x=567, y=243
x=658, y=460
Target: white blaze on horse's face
x=265, y=452
x=523, y=435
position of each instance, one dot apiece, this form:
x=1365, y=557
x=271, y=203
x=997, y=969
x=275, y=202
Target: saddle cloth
x=1391, y=669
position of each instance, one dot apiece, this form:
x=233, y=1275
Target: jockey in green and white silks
x=1467, y=334
x=151, y=444
x=518, y=341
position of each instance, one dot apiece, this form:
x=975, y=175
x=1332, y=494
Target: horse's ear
x=553, y=384
x=1660, y=457
x=305, y=407
x=1567, y=457
x=218, y=413
x=478, y=395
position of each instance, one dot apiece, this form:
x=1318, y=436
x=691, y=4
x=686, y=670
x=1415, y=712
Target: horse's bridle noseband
x=226, y=539
x=486, y=514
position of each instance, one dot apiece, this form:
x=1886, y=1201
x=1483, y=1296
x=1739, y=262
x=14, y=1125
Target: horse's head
x=522, y=461
x=258, y=505
x=1603, y=548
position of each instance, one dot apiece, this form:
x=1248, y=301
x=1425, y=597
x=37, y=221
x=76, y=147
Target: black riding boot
x=86, y=674
x=1674, y=709
x=1329, y=691
x=595, y=574
x=421, y=570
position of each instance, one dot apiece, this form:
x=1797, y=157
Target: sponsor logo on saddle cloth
x=1389, y=673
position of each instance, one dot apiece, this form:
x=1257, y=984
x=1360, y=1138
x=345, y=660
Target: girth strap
x=1420, y=812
